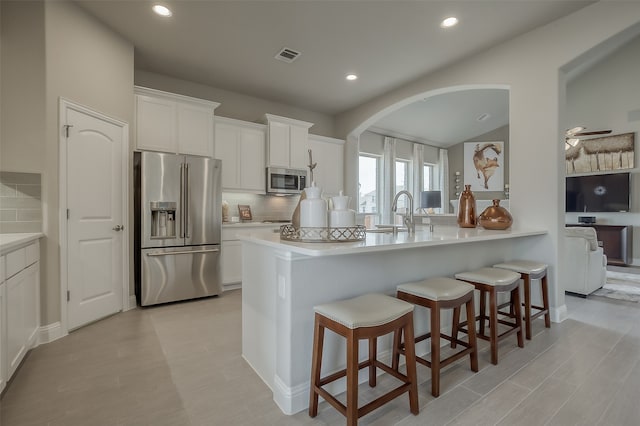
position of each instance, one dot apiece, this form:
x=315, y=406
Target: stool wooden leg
x=435, y=350
x=373, y=349
x=473, y=356
x=527, y=304
x=455, y=325
x=545, y=301
x=493, y=325
x=352, y=379
x=316, y=364
x=410, y=354
x=483, y=312
x=397, y=341
x=516, y=297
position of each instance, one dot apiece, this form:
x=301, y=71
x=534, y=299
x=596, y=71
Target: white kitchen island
x=282, y=281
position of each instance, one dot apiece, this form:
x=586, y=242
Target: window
x=368, y=187
x=402, y=181
x=428, y=181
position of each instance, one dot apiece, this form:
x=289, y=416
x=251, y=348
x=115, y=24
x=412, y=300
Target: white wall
x=607, y=96
x=236, y=105
x=530, y=66
x=22, y=131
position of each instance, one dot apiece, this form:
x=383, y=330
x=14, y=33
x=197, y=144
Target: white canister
x=313, y=209
x=340, y=215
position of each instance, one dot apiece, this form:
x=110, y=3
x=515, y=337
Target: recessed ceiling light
x=162, y=10
x=449, y=22
x=351, y=77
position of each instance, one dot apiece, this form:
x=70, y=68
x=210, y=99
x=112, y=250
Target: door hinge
x=68, y=295
x=66, y=129
x=68, y=213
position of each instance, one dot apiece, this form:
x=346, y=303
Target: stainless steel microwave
x=285, y=181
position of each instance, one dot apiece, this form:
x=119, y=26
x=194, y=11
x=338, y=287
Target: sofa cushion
x=587, y=233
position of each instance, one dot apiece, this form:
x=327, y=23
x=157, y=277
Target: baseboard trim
x=132, y=304
x=49, y=333
x=559, y=314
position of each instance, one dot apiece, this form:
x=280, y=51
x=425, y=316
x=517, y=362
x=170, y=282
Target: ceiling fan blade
x=598, y=132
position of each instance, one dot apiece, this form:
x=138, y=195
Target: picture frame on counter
x=245, y=212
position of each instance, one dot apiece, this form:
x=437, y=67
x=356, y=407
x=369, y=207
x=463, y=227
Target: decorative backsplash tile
x=20, y=202
x=263, y=207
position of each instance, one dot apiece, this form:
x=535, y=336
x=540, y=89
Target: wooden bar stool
x=493, y=281
x=436, y=294
x=364, y=317
x=531, y=271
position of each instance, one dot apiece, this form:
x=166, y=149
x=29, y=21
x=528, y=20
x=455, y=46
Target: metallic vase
x=495, y=217
x=467, y=209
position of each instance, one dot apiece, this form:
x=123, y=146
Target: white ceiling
x=232, y=44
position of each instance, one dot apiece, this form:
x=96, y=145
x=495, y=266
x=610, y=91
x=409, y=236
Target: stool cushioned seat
x=523, y=266
x=370, y=310
x=489, y=276
x=437, y=289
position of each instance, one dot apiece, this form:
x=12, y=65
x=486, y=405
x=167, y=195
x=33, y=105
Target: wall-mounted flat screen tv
x=598, y=193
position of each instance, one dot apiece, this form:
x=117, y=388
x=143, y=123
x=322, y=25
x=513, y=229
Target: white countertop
x=10, y=241
x=442, y=235
x=252, y=224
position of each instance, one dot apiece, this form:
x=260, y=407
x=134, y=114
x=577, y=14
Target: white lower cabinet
x=3, y=337
x=231, y=259
x=19, y=308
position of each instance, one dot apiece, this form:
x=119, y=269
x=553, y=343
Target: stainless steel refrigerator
x=177, y=227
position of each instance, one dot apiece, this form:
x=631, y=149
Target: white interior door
x=95, y=236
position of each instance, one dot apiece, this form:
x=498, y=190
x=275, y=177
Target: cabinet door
x=23, y=315
x=31, y=304
x=329, y=172
x=16, y=327
x=195, y=129
x=231, y=260
x=227, y=151
x=252, y=164
x=279, y=144
x=156, y=128
x=299, y=146
x=3, y=337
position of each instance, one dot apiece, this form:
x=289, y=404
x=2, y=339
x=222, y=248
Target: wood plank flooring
x=181, y=364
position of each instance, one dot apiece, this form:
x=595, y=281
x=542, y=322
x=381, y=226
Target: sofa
x=585, y=264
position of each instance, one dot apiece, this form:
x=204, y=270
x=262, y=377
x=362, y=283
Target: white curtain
x=388, y=179
x=418, y=173
x=443, y=176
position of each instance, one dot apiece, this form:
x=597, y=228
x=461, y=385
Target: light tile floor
x=181, y=364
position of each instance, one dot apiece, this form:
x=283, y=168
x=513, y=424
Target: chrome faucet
x=407, y=218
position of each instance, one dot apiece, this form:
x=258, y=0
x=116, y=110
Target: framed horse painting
x=484, y=166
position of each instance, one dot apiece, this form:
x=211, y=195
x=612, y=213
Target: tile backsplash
x=20, y=202
x=263, y=207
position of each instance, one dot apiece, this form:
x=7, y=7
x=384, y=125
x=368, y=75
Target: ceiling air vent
x=287, y=55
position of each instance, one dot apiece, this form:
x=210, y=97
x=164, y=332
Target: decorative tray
x=320, y=235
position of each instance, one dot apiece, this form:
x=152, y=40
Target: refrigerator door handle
x=171, y=253
x=182, y=200
x=186, y=201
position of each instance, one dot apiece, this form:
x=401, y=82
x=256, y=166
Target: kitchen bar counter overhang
x=283, y=281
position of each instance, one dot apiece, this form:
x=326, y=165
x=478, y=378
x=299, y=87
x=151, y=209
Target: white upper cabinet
x=328, y=153
x=173, y=123
x=287, y=142
x=241, y=147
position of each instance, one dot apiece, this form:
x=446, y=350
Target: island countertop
x=442, y=235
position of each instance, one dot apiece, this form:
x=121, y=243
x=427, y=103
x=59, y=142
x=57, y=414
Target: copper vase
x=495, y=217
x=467, y=209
